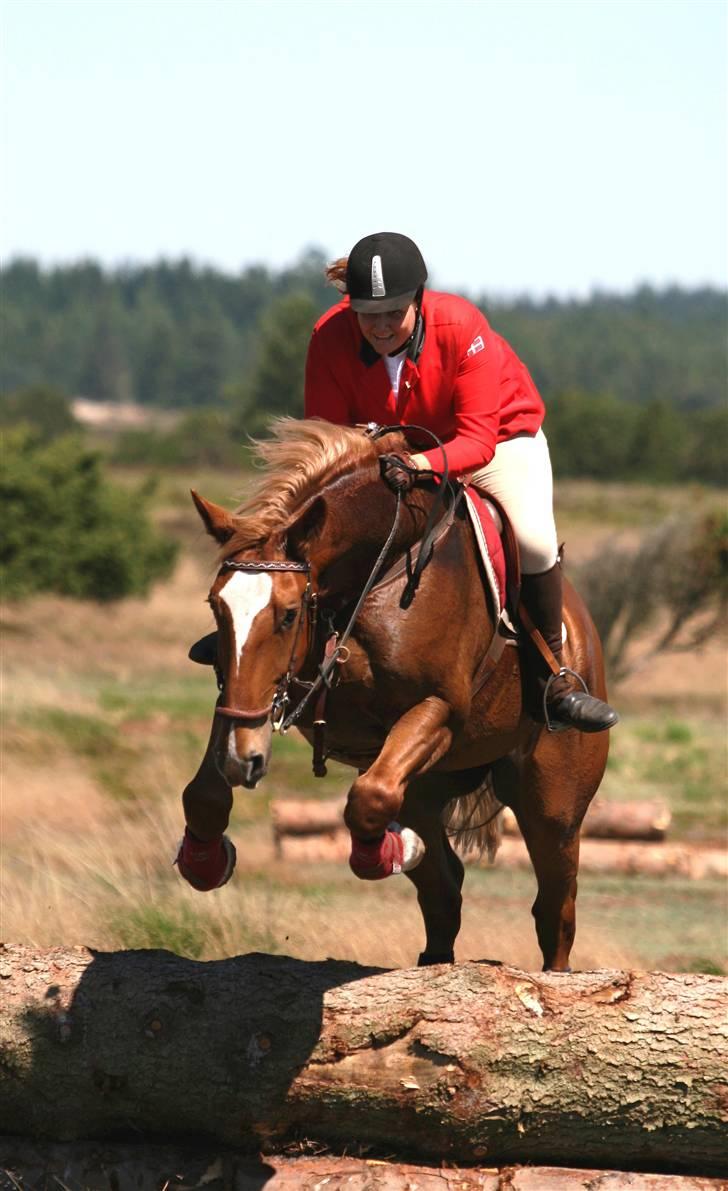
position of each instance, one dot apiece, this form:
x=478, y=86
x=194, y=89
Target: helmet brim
x=382, y=305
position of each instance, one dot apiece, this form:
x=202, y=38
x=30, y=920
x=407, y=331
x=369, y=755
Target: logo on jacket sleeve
x=476, y=346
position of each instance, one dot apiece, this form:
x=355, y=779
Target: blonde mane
x=295, y=462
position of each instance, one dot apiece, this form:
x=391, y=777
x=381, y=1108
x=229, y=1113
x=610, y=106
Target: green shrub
x=43, y=409
x=67, y=529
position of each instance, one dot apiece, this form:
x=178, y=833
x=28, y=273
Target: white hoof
x=413, y=849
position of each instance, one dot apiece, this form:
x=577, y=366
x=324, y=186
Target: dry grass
x=111, y=884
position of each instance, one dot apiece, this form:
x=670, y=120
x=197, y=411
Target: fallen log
x=645, y=820
x=471, y=1063
x=595, y=856
x=118, y=1167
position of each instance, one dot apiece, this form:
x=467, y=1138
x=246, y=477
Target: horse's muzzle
x=242, y=750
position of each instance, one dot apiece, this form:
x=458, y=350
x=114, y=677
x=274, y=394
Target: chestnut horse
x=403, y=708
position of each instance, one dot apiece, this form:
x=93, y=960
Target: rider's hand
x=398, y=472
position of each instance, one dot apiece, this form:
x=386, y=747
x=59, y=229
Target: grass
x=680, y=761
x=629, y=506
x=177, y=928
x=117, y=888
x=175, y=697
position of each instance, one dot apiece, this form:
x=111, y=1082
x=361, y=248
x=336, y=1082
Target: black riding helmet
x=384, y=271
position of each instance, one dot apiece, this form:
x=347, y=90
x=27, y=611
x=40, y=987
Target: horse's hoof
x=428, y=960
x=206, y=866
x=397, y=851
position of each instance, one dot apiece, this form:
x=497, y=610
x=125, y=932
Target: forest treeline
x=175, y=335
x=635, y=385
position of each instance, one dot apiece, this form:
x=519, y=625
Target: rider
x=394, y=352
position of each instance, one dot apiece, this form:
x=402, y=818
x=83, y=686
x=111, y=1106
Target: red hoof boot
x=378, y=858
x=203, y=865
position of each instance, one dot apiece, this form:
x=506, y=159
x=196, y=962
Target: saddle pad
x=489, y=545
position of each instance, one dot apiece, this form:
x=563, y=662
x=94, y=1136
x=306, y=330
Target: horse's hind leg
x=440, y=873
x=206, y=857
x=438, y=877
x=415, y=743
x=549, y=792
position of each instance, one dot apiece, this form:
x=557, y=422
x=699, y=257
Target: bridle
x=276, y=707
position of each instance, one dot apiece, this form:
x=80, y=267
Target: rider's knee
x=538, y=551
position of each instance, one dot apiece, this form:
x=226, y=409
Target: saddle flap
x=498, y=548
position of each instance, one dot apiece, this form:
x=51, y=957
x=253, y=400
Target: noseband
x=276, y=708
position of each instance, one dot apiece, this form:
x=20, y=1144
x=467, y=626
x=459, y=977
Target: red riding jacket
x=467, y=385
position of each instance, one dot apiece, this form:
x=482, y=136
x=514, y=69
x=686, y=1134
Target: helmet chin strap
x=416, y=341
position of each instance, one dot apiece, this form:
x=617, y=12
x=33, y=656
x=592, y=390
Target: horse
x=322, y=543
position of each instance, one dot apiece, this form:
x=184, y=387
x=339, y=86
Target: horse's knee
x=370, y=807
x=207, y=801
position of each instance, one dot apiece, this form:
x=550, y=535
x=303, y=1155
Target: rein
x=332, y=655
x=427, y=545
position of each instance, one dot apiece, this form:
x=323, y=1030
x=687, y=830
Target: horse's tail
x=473, y=821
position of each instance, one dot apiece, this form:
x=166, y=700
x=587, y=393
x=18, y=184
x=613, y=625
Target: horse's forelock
x=298, y=458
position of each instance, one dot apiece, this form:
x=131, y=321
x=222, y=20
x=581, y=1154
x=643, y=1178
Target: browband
x=281, y=565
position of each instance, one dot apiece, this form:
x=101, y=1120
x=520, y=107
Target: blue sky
x=529, y=147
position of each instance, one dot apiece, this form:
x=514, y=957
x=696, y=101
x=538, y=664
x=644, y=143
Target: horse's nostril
x=256, y=768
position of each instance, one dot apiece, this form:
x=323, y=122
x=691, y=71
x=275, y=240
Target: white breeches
x=519, y=476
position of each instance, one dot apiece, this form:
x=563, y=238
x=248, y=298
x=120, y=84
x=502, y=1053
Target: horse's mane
x=298, y=458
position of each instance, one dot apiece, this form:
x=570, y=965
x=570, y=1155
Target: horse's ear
x=217, y=521
x=303, y=531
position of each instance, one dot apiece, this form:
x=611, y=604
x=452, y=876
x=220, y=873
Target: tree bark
x=114, y=1166
x=646, y=820
x=467, y=1063
x=595, y=856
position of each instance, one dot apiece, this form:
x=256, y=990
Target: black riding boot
x=563, y=701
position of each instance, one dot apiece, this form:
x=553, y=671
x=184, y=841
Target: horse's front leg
x=416, y=742
x=206, y=856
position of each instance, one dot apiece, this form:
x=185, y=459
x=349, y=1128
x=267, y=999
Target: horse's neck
x=360, y=516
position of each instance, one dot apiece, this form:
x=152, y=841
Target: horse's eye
x=289, y=618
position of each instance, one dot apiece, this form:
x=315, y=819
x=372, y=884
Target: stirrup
x=554, y=725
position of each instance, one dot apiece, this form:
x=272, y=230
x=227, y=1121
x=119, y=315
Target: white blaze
x=245, y=595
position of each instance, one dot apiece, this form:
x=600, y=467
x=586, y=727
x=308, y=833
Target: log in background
x=648, y=819
x=475, y=1063
x=620, y=838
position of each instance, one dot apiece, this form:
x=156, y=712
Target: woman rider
x=393, y=352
